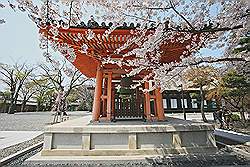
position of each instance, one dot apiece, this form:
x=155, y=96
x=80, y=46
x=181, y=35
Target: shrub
x=235, y=117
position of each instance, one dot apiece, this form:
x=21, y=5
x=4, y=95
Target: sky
x=19, y=39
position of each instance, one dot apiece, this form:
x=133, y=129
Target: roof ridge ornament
x=92, y=23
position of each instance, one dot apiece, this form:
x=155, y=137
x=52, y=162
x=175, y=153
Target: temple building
x=91, y=45
x=88, y=48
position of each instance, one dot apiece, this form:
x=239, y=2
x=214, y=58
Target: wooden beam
x=115, y=71
x=103, y=97
x=152, y=97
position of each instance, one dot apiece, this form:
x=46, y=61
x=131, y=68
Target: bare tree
x=86, y=94
x=63, y=79
x=14, y=77
x=27, y=91
x=83, y=96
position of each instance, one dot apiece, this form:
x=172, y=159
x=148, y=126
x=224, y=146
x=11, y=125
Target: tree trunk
x=242, y=113
x=5, y=106
x=38, y=106
x=50, y=106
x=12, y=107
x=23, y=105
x=248, y=113
x=202, y=105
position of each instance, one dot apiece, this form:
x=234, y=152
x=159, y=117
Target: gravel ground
x=221, y=159
x=31, y=121
x=243, y=147
x=18, y=147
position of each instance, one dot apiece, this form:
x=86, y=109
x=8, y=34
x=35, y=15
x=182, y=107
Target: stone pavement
x=10, y=138
x=20, y=127
x=31, y=121
x=191, y=116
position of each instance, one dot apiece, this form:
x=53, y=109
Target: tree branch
x=81, y=83
x=211, y=30
x=152, y=8
x=172, y=6
x=218, y=60
x=54, y=82
x=9, y=71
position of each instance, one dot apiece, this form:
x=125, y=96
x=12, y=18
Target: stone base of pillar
x=126, y=138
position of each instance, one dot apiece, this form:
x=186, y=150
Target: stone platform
x=79, y=137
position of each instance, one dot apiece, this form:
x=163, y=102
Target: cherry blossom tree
x=86, y=94
x=2, y=21
x=206, y=23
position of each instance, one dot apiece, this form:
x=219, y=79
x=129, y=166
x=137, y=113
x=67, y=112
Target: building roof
x=101, y=46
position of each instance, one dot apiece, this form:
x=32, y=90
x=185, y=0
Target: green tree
x=236, y=91
x=5, y=96
x=44, y=92
x=201, y=77
x=243, y=45
x=243, y=48
x=26, y=93
x=14, y=77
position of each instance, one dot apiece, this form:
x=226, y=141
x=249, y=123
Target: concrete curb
x=18, y=154
x=233, y=136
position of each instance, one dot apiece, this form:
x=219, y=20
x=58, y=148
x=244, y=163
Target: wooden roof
x=102, y=46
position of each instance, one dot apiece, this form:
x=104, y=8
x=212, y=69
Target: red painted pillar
x=113, y=101
x=159, y=105
x=104, y=100
x=98, y=94
x=109, y=96
x=147, y=102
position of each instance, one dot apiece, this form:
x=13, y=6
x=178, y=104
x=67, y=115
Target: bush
x=235, y=117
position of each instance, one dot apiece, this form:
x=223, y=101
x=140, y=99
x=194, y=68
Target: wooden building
x=172, y=102
x=111, y=103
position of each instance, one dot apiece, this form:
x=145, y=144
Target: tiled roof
x=94, y=24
